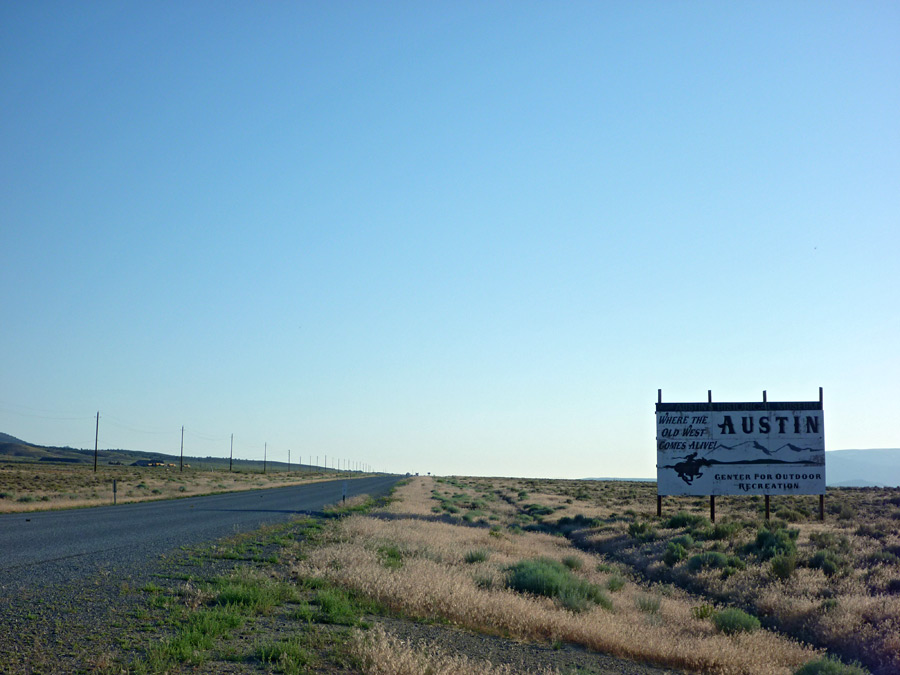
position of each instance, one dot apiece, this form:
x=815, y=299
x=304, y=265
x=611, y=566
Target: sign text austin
x=775, y=448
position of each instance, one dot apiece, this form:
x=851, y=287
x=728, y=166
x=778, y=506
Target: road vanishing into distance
x=70, y=579
x=45, y=547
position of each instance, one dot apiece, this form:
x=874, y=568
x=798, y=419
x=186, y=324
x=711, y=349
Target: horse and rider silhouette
x=690, y=468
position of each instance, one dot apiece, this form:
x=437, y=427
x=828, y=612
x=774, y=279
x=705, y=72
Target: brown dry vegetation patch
x=415, y=562
x=442, y=551
x=836, y=586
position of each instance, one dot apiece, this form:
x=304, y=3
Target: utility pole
x=265, y=451
x=289, y=460
x=231, y=456
x=181, y=467
x=96, y=436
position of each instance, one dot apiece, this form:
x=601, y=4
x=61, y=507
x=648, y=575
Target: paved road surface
x=58, y=546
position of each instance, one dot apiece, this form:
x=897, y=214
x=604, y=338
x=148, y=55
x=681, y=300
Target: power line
x=45, y=414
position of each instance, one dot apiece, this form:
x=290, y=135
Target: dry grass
x=435, y=581
x=380, y=653
x=853, y=610
x=38, y=487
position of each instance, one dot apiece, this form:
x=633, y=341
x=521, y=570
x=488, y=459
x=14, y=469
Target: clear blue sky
x=460, y=237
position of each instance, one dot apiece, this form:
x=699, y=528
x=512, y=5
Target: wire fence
x=183, y=448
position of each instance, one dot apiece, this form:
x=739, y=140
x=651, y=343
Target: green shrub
x=477, y=556
x=772, y=542
x=552, y=579
x=685, y=540
x=830, y=562
x=615, y=584
x=641, y=531
x=714, y=560
x=287, y=656
x=473, y=514
x=568, y=524
x=846, y=512
x=573, y=599
x=484, y=582
x=336, y=607
x=790, y=515
x=783, y=565
x=733, y=620
x=649, y=604
x=540, y=576
x=882, y=558
x=252, y=595
x=573, y=562
x=702, y=612
x=707, y=559
x=674, y=554
x=724, y=531
x=685, y=519
x=390, y=556
x=829, y=604
x=830, y=540
x=830, y=666
x=538, y=510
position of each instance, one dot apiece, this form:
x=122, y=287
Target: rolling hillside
x=863, y=468
x=13, y=449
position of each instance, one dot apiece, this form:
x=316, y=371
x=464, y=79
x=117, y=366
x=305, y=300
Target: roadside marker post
x=114, y=491
x=96, y=437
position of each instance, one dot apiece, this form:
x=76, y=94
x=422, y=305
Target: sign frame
x=740, y=448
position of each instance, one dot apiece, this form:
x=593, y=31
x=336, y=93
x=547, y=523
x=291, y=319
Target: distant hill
x=6, y=438
x=633, y=480
x=16, y=450
x=878, y=467
x=20, y=451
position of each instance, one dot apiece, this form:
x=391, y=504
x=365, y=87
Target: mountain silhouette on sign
x=755, y=445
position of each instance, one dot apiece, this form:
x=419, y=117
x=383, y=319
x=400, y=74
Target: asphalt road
x=59, y=546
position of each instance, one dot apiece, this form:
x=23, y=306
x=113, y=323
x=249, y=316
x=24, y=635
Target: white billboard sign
x=740, y=448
